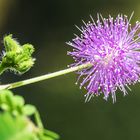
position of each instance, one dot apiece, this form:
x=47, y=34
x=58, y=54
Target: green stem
x=38, y=120
x=2, y=69
x=44, y=77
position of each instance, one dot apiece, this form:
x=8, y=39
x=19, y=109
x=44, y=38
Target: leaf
x=14, y=122
x=46, y=138
x=19, y=100
x=10, y=102
x=15, y=128
x=51, y=134
x=6, y=99
x=29, y=110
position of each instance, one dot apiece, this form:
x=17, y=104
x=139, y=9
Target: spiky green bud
x=17, y=58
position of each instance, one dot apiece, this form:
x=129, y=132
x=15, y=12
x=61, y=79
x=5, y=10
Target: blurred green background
x=48, y=24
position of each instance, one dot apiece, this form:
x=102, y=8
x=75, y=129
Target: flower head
x=112, y=46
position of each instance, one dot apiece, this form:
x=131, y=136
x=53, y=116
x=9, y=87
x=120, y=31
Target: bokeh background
x=48, y=24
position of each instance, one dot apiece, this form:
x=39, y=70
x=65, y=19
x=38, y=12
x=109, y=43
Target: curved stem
x=44, y=77
x=38, y=120
x=2, y=69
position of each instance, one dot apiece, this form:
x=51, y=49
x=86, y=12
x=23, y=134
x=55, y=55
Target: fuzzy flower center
x=108, y=59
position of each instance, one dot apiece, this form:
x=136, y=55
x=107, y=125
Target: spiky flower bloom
x=113, y=47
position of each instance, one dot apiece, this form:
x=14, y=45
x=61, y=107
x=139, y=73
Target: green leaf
x=51, y=134
x=18, y=100
x=16, y=128
x=14, y=122
x=29, y=110
x=46, y=138
x=6, y=99
x=11, y=103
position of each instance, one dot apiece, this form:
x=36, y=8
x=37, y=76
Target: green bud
x=17, y=58
x=24, y=66
x=11, y=44
x=28, y=48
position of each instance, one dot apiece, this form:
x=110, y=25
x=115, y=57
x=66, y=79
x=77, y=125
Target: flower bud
x=17, y=58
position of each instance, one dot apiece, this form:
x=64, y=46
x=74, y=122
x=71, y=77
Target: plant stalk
x=45, y=77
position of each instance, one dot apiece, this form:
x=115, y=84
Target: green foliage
x=15, y=123
x=19, y=128
x=14, y=104
x=17, y=58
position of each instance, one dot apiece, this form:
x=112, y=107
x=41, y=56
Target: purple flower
x=113, y=47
